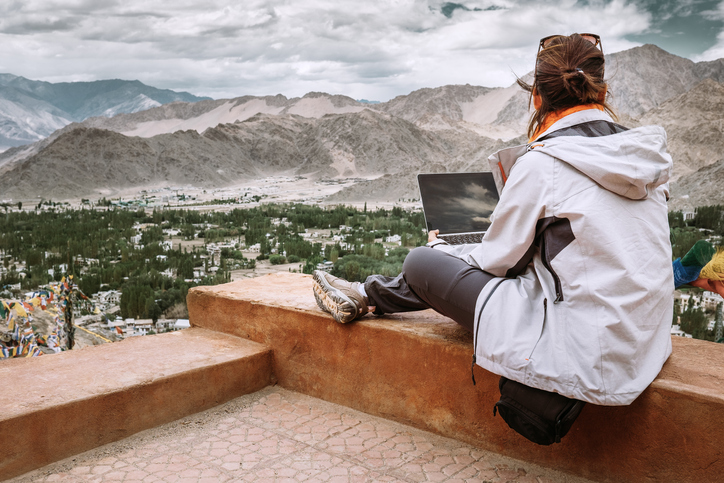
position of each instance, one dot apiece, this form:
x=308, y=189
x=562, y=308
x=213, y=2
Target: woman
x=570, y=289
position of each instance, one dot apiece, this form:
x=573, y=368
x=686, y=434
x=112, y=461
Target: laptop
x=458, y=204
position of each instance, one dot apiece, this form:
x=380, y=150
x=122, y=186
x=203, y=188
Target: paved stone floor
x=276, y=435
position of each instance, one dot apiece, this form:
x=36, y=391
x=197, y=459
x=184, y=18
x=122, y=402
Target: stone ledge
x=61, y=405
x=415, y=368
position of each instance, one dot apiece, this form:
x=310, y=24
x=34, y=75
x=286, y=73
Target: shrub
x=277, y=259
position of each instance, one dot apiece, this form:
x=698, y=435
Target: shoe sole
x=332, y=300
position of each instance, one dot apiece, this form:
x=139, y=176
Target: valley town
x=92, y=271
x=87, y=272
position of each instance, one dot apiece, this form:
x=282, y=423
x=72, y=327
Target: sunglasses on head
x=545, y=42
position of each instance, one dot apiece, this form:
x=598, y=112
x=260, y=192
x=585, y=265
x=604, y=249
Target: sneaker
x=338, y=297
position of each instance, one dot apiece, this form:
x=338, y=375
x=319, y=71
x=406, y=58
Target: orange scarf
x=556, y=116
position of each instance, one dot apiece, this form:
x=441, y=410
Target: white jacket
x=589, y=315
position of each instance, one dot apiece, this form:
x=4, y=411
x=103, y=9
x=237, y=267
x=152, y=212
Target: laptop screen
x=458, y=202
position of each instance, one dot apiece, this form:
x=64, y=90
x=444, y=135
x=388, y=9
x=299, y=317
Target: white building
x=107, y=300
x=676, y=330
x=326, y=266
x=711, y=299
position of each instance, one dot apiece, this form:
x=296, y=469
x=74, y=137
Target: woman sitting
x=570, y=290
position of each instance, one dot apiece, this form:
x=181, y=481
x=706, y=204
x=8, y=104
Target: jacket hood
x=631, y=163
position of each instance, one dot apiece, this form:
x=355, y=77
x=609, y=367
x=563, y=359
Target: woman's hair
x=569, y=72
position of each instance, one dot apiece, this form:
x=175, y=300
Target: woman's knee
x=417, y=264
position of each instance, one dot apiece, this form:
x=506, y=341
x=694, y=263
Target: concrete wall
x=415, y=368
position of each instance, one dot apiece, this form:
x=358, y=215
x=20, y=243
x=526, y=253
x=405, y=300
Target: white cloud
x=372, y=50
x=714, y=52
x=717, y=50
x=714, y=14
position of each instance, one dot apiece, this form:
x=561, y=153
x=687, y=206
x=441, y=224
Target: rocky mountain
x=450, y=128
x=202, y=115
x=694, y=126
x=494, y=112
x=31, y=110
x=642, y=78
x=700, y=188
x=97, y=162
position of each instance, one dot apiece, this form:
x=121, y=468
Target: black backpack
x=541, y=416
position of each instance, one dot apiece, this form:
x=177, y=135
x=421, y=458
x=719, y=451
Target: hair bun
x=574, y=81
x=577, y=72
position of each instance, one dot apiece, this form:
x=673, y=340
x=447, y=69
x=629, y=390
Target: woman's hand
x=715, y=286
x=432, y=235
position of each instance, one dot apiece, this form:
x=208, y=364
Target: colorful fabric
x=20, y=310
x=690, y=267
x=714, y=269
x=23, y=340
x=699, y=255
x=684, y=274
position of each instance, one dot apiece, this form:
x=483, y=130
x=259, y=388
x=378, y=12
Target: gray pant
x=430, y=279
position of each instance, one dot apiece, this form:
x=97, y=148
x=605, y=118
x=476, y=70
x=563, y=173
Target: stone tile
x=287, y=412
x=281, y=436
x=81, y=470
x=311, y=465
x=324, y=426
x=364, y=442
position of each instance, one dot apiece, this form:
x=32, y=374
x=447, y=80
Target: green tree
x=682, y=239
x=277, y=259
x=153, y=311
x=151, y=234
x=694, y=322
x=676, y=220
x=352, y=271
x=186, y=268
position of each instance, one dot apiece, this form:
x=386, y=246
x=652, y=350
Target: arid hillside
x=217, y=143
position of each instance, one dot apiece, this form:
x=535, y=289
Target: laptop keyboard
x=462, y=239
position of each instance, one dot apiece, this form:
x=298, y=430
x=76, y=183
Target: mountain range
x=31, y=110
x=212, y=143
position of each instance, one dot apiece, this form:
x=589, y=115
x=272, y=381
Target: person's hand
x=715, y=286
x=432, y=235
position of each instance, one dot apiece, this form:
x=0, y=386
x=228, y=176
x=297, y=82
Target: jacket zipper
x=545, y=318
x=547, y=264
x=477, y=329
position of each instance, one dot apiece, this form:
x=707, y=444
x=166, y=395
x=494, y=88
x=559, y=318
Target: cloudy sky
x=374, y=49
